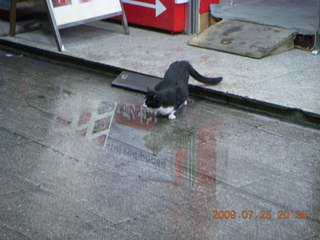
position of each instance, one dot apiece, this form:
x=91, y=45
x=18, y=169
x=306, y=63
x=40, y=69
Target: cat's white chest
x=165, y=110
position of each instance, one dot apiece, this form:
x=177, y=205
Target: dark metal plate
x=135, y=81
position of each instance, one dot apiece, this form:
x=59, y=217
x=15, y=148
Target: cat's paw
x=185, y=103
x=172, y=116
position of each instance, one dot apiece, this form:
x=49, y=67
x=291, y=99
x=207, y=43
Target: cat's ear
x=156, y=97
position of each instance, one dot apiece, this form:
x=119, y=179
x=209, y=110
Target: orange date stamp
x=263, y=214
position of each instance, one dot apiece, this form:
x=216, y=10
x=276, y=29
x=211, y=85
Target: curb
x=283, y=113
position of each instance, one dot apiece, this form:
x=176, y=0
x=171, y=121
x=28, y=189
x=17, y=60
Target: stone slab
x=299, y=15
x=245, y=39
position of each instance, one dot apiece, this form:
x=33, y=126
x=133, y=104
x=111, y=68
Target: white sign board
x=68, y=12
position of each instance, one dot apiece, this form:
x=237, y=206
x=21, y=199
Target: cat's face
x=152, y=100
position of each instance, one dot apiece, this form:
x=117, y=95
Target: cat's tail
x=202, y=78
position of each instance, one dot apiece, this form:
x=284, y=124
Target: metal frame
x=191, y=17
x=316, y=46
x=56, y=27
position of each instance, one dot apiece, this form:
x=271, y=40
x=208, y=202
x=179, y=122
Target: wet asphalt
x=80, y=159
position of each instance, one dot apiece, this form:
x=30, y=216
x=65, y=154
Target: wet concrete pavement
x=81, y=160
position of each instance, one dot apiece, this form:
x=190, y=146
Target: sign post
x=68, y=13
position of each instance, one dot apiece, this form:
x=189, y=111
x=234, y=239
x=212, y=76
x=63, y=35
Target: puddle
x=93, y=121
x=196, y=161
x=186, y=148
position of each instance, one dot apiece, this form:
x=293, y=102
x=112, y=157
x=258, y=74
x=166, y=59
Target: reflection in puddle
x=136, y=154
x=95, y=124
x=186, y=150
x=195, y=165
x=84, y=118
x=189, y=147
x=135, y=116
x=192, y=148
x=197, y=161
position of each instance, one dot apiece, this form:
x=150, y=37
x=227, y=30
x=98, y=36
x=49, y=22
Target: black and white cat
x=172, y=92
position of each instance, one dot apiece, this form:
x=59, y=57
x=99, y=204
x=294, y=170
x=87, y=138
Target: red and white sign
x=157, y=6
x=161, y=14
